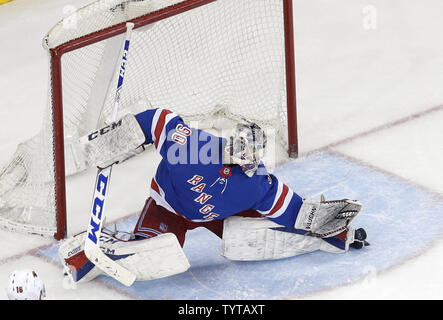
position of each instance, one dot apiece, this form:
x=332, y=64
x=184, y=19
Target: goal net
x=201, y=59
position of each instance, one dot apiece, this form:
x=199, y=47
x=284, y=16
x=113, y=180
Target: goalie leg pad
x=153, y=258
x=255, y=239
x=148, y=259
x=75, y=261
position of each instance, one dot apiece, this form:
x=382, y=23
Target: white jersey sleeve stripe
x=154, y=123
x=277, y=196
x=163, y=134
x=279, y=212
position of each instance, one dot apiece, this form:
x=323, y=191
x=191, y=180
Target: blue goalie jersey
x=192, y=181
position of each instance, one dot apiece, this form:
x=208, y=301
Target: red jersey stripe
x=154, y=186
x=280, y=201
x=160, y=126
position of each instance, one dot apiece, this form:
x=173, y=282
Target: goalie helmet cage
x=195, y=57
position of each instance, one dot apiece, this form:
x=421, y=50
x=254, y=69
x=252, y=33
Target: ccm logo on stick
x=97, y=206
x=104, y=130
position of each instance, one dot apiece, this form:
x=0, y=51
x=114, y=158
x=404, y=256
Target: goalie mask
x=246, y=146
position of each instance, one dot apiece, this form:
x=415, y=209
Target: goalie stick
x=97, y=214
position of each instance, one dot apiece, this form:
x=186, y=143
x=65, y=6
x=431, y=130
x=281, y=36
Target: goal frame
x=118, y=29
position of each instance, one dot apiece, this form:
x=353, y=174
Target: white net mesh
x=227, y=55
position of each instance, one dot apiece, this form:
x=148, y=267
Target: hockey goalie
x=218, y=183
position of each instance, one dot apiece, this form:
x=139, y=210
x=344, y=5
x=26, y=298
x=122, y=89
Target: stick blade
x=110, y=267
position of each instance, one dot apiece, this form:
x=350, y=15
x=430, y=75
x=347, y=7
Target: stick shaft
x=97, y=213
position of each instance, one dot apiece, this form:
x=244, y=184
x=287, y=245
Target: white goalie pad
x=148, y=259
x=253, y=239
x=153, y=258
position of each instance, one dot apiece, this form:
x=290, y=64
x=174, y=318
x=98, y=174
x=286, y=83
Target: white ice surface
x=350, y=80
